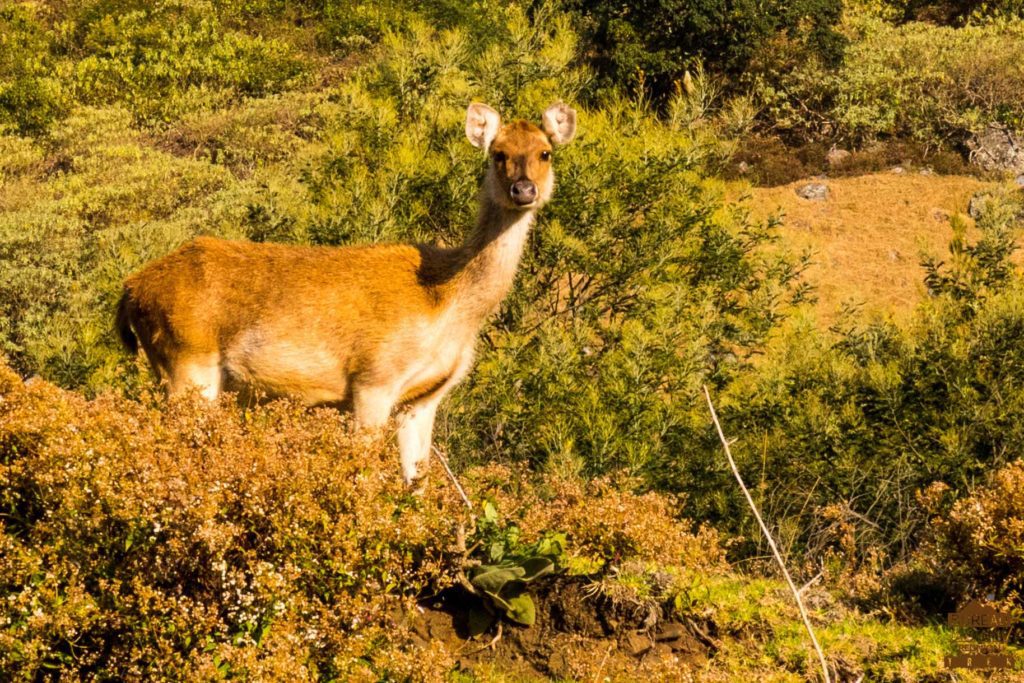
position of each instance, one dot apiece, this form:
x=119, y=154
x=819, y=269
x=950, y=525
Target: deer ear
x=560, y=123
x=482, y=124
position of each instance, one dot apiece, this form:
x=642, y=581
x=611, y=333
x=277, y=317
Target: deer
x=381, y=330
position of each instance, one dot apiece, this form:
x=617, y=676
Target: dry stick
x=771, y=542
x=451, y=475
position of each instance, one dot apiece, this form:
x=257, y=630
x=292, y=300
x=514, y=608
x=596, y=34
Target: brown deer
x=366, y=328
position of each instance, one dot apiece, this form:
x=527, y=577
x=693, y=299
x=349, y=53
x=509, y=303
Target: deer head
x=520, y=175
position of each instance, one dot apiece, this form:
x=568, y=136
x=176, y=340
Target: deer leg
x=371, y=407
x=415, y=434
x=202, y=372
x=416, y=423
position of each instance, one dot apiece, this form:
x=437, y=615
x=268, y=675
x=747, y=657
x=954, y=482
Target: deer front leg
x=415, y=435
x=371, y=408
x=201, y=371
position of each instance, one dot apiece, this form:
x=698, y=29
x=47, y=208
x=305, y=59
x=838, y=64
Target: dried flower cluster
x=191, y=541
x=977, y=545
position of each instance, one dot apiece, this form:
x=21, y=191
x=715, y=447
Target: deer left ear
x=482, y=125
x=560, y=123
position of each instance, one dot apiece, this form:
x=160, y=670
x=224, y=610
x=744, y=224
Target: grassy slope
x=868, y=236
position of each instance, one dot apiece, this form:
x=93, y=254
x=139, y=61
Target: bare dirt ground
x=868, y=236
x=580, y=634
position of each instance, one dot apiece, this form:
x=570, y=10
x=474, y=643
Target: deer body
x=368, y=328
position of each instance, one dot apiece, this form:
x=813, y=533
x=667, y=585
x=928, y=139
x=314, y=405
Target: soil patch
x=580, y=633
x=766, y=161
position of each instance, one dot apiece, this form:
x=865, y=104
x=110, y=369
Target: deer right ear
x=482, y=124
x=559, y=122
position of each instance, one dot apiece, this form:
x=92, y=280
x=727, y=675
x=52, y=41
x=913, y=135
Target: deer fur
x=376, y=329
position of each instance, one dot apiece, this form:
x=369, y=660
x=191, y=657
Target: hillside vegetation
x=866, y=349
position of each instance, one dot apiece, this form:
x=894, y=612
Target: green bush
x=864, y=418
x=649, y=45
x=158, y=61
x=929, y=83
x=172, y=58
x=31, y=93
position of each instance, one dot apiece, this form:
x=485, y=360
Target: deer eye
x=545, y=155
x=499, y=157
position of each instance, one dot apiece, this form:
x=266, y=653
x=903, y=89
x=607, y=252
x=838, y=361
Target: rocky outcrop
x=997, y=148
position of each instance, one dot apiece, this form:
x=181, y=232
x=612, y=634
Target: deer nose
x=524, y=192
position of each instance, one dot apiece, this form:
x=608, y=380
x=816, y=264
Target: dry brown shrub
x=977, y=545
x=192, y=541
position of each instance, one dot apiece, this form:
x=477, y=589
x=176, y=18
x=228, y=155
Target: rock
x=743, y=168
x=636, y=644
x=813, y=191
x=836, y=157
x=1019, y=180
x=997, y=148
x=926, y=171
x=898, y=170
x=978, y=205
x=671, y=631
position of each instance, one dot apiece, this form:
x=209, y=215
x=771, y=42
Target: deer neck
x=491, y=257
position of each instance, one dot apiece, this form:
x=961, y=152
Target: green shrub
x=929, y=83
x=172, y=58
x=31, y=93
x=649, y=45
x=869, y=415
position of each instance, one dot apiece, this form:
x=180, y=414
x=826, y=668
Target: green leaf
x=534, y=567
x=553, y=546
x=492, y=578
x=490, y=512
x=479, y=621
x=522, y=610
x=497, y=551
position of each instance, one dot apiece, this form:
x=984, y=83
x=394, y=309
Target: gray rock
x=836, y=157
x=671, y=631
x=978, y=205
x=898, y=170
x=636, y=644
x=813, y=191
x=997, y=148
x=1019, y=180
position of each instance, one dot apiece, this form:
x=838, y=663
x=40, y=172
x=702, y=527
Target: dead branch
x=768, y=536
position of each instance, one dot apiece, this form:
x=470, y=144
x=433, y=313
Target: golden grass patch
x=867, y=237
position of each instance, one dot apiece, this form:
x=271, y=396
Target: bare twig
x=451, y=475
x=490, y=645
x=811, y=582
x=460, y=547
x=600, y=668
x=768, y=536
